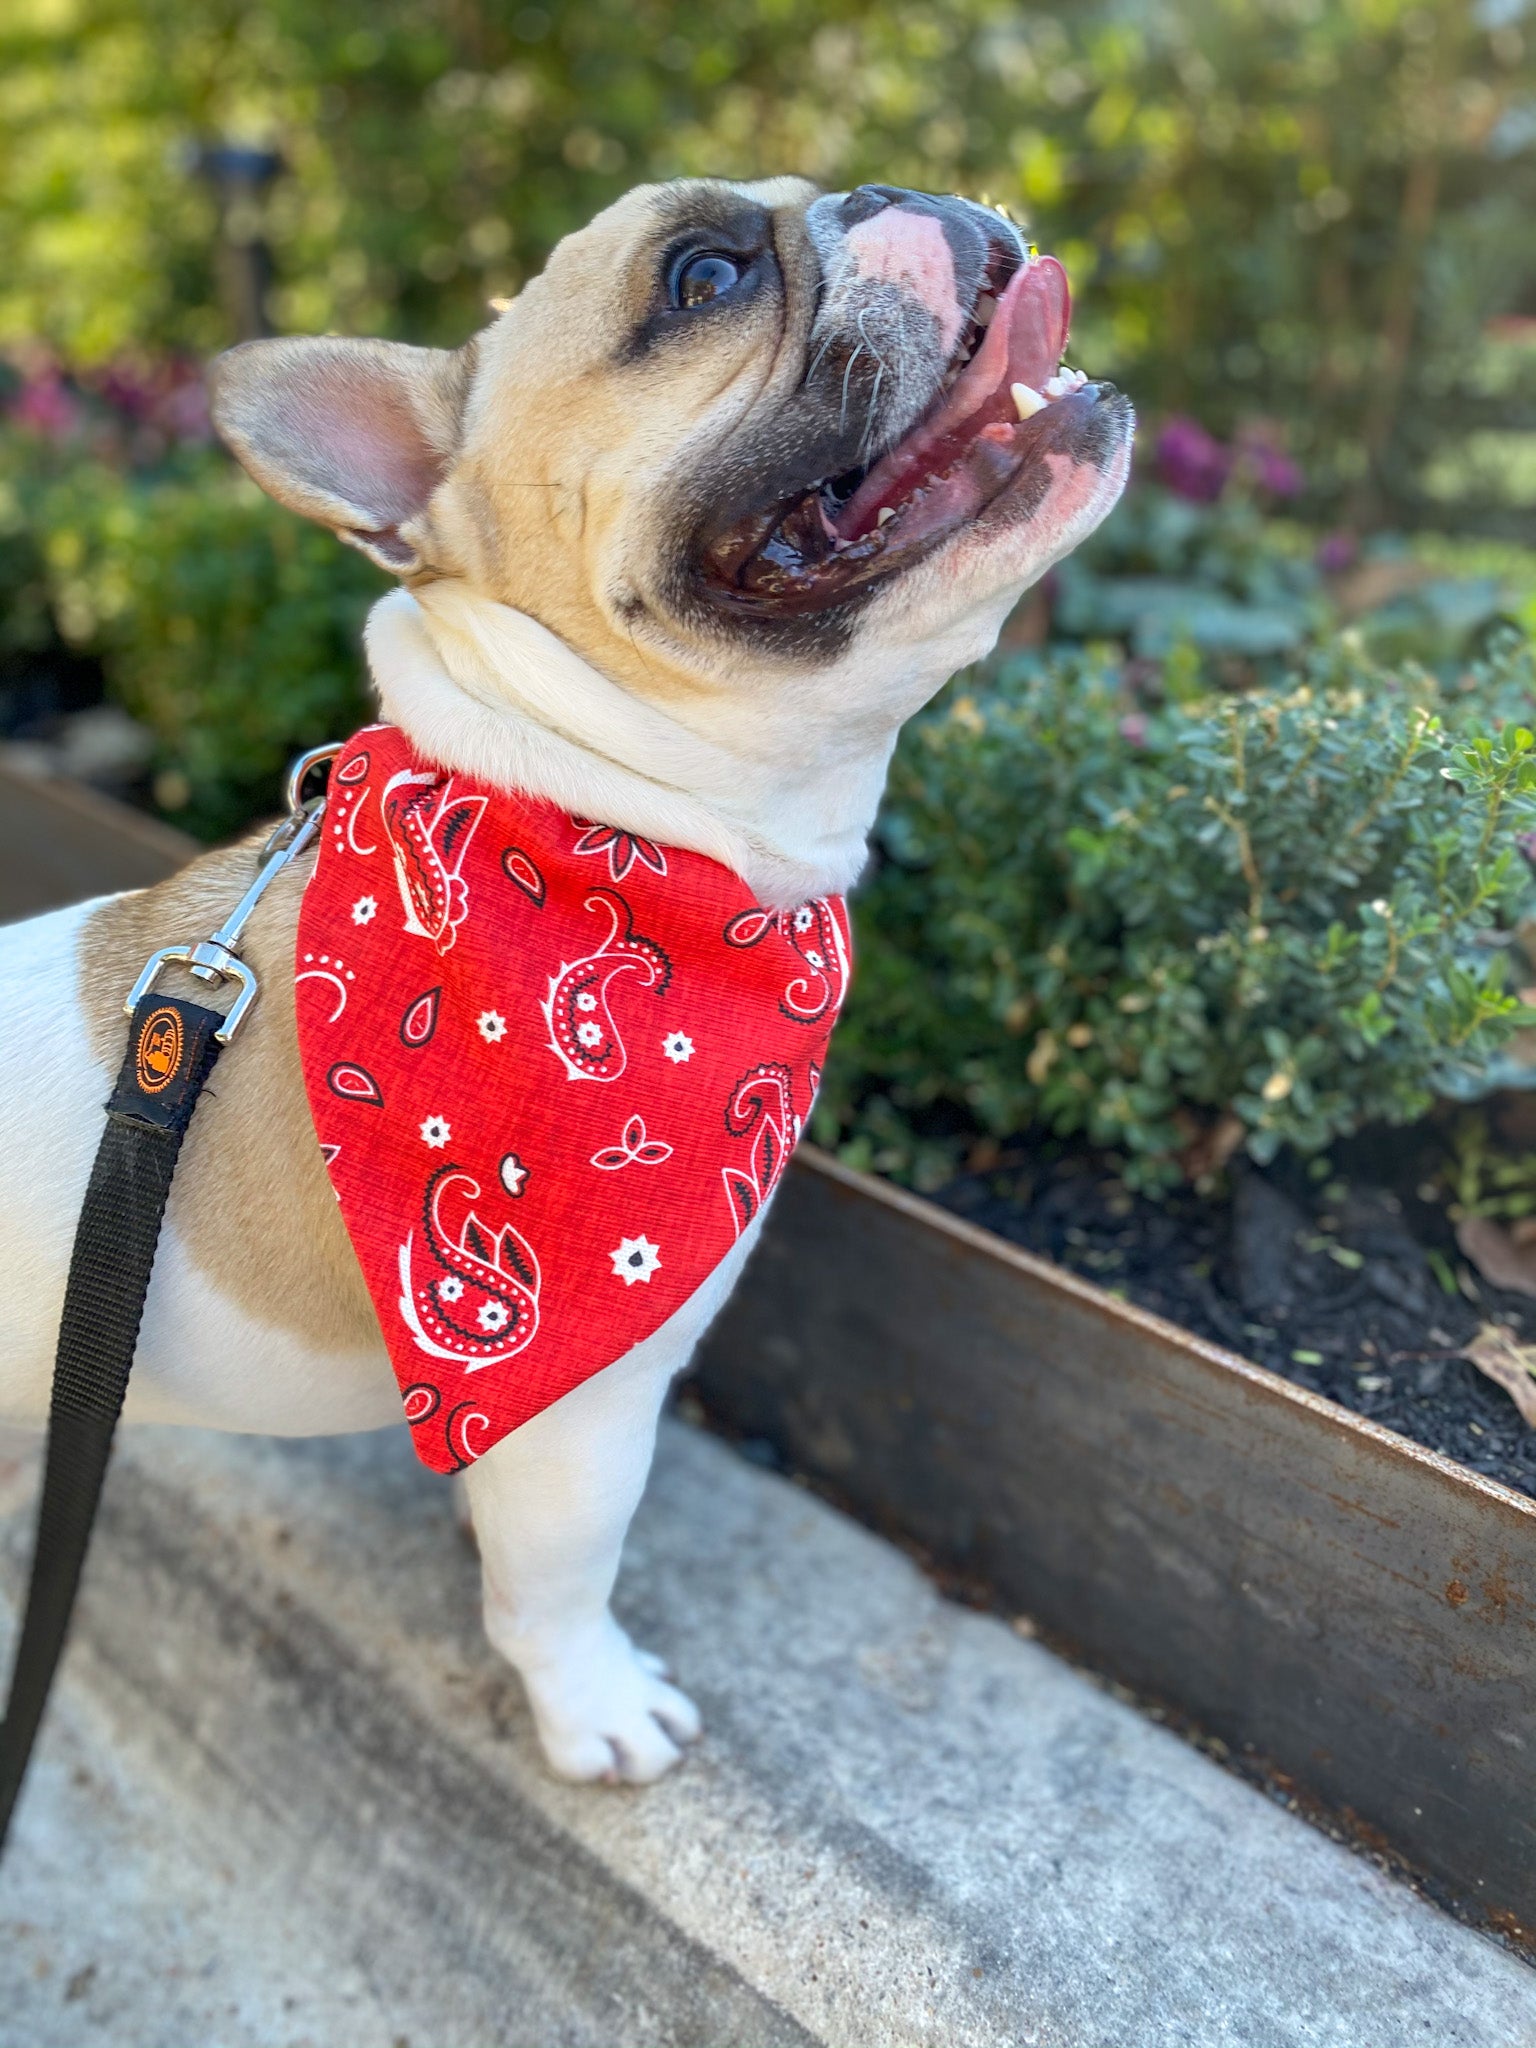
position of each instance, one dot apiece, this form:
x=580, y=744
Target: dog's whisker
x=842, y=418
x=819, y=357
x=866, y=440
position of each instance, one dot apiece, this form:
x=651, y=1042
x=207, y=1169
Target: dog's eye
x=703, y=278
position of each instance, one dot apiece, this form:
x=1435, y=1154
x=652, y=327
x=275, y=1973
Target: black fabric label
x=171, y=1049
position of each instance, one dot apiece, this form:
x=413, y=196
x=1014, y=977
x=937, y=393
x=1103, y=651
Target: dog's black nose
x=867, y=200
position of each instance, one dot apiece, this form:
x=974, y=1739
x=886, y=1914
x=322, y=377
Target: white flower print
x=589, y=1034
x=365, y=910
x=813, y=958
x=586, y=1000
x=513, y=1174
x=492, y=1026
x=805, y=917
x=450, y=1289
x=436, y=1132
x=492, y=1316
x=636, y=1259
x=678, y=1047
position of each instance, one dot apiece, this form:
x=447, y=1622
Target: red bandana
x=555, y=1071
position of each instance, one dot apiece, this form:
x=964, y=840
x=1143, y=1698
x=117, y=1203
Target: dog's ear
x=356, y=434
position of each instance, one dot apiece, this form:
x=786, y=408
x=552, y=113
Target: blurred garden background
x=1289, y=683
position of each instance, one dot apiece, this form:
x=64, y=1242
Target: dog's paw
x=605, y=1711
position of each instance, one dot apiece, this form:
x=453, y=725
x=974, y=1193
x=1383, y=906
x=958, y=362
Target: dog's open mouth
x=1003, y=404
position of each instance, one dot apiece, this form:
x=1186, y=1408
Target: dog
x=719, y=500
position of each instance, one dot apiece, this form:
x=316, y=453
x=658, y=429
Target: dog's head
x=731, y=429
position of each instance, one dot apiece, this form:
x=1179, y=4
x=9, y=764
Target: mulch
x=1352, y=1286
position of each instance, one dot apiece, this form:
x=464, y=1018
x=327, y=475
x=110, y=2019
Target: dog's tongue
x=1023, y=345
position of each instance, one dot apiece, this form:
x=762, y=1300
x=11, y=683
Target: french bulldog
x=715, y=503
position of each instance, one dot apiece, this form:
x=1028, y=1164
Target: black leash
x=172, y=1047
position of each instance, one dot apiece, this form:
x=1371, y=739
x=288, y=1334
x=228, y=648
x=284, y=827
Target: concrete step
x=288, y=1796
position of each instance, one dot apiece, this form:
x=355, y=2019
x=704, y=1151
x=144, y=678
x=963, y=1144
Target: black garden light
x=240, y=178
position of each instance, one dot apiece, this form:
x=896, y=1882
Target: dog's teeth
x=986, y=306
x=1027, y=400
x=1065, y=382
x=886, y=513
x=1056, y=387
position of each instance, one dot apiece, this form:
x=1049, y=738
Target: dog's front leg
x=551, y=1504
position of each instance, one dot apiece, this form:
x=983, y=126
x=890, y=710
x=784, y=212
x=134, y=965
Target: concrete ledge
x=289, y=1796
x=61, y=842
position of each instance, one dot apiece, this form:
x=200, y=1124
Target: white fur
x=781, y=785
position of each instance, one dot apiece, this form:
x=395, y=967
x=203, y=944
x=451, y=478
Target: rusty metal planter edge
x=1306, y=1586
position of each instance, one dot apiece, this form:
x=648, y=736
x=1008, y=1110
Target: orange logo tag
x=159, y=1053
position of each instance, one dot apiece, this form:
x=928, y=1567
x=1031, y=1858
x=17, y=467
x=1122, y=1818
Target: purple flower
x=1278, y=474
x=1263, y=461
x=164, y=397
x=1133, y=729
x=127, y=389
x=1191, y=462
x=1337, y=552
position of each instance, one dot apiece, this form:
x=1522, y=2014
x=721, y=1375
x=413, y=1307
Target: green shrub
x=1260, y=920
x=226, y=625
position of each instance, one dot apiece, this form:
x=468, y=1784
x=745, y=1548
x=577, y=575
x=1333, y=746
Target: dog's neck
x=781, y=787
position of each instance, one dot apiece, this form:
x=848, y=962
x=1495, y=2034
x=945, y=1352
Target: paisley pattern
x=517, y=1014
x=478, y=1299
x=420, y=1020
x=430, y=827
x=523, y=869
x=818, y=980
x=762, y=1108
x=582, y=1031
x=354, y=1083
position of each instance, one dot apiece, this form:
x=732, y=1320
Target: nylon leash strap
x=172, y=1046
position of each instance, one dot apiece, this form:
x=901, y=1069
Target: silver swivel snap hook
x=217, y=958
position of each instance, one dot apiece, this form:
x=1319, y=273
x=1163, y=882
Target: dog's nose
x=892, y=237
x=865, y=201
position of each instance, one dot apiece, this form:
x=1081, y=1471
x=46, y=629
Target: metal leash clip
x=217, y=958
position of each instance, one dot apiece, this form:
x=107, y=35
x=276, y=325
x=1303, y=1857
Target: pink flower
x=47, y=405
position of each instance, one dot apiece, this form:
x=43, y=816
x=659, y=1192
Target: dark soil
x=1352, y=1285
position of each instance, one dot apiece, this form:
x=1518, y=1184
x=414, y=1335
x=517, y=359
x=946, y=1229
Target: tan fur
x=544, y=488
x=566, y=446
x=252, y=1201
